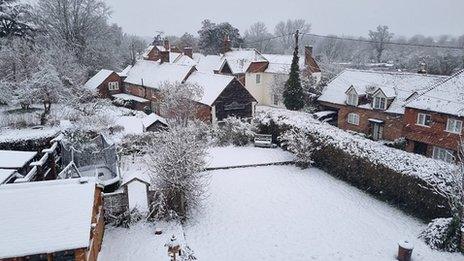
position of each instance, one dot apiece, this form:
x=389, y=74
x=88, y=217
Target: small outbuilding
x=105, y=82
x=154, y=122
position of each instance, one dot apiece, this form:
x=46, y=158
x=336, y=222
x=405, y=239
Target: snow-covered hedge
x=407, y=179
x=442, y=234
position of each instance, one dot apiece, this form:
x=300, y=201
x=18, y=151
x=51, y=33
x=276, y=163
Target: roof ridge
x=393, y=72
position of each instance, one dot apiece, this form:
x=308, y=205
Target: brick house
x=433, y=119
x=372, y=102
x=106, y=83
x=44, y=221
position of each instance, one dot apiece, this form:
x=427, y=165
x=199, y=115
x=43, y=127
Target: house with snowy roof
x=106, y=83
x=433, y=119
x=372, y=102
x=51, y=220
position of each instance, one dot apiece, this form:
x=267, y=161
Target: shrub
x=299, y=143
x=234, y=131
x=443, y=234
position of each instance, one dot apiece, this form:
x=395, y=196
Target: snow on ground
x=238, y=156
x=282, y=213
x=131, y=124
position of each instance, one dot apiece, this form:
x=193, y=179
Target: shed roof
x=13, y=159
x=5, y=174
x=97, y=79
x=152, y=118
x=45, y=217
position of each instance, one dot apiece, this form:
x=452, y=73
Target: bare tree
x=287, y=29
x=256, y=36
x=179, y=102
x=47, y=87
x=381, y=36
x=176, y=161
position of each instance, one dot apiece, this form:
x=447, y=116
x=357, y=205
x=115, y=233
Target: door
x=377, y=131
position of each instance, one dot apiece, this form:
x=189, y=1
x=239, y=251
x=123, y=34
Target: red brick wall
x=103, y=88
x=257, y=67
x=434, y=135
x=153, y=55
x=392, y=126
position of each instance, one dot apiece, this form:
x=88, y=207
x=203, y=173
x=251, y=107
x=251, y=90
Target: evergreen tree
x=293, y=92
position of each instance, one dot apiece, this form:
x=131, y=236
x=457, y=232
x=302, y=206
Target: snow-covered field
x=281, y=213
x=231, y=156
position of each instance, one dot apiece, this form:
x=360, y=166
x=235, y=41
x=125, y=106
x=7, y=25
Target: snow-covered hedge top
x=13, y=135
x=434, y=172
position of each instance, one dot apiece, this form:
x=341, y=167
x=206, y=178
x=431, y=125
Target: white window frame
x=353, y=118
x=443, y=154
x=454, y=126
x=113, y=86
x=258, y=78
x=422, y=119
x=378, y=105
x=352, y=99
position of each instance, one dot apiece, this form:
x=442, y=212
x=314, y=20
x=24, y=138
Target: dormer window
x=380, y=103
x=352, y=98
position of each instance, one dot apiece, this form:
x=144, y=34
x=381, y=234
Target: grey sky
x=349, y=17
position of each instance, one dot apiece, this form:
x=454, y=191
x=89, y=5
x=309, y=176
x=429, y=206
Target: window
x=454, y=126
x=352, y=99
x=380, y=103
x=353, y=118
x=424, y=119
x=113, y=86
x=443, y=154
x=258, y=78
x=275, y=99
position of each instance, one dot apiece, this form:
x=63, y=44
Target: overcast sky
x=348, y=17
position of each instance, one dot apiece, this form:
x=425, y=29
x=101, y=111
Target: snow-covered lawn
x=231, y=156
x=281, y=213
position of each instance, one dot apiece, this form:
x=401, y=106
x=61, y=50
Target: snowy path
x=220, y=157
x=281, y=213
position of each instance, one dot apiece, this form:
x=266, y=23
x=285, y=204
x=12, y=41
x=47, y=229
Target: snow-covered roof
x=240, y=59
x=183, y=59
x=129, y=97
x=97, y=79
x=152, y=74
x=6, y=174
x=445, y=97
x=397, y=85
x=174, y=56
x=152, y=118
x=209, y=63
x=13, y=159
x=46, y=216
x=280, y=63
x=124, y=72
x=213, y=85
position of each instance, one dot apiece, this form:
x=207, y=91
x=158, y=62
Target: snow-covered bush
x=127, y=218
x=443, y=234
x=301, y=145
x=19, y=120
x=176, y=161
x=232, y=130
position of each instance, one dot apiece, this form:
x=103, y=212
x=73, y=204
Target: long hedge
x=400, y=178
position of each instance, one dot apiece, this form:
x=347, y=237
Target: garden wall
x=405, y=180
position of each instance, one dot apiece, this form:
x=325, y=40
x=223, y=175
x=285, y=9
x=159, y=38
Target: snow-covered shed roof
x=209, y=63
x=152, y=74
x=45, y=216
x=129, y=97
x=397, y=85
x=97, y=79
x=124, y=72
x=445, y=97
x=212, y=84
x=5, y=174
x=240, y=59
x=152, y=118
x=13, y=159
x=280, y=63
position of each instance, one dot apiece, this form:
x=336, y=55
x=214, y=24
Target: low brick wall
x=408, y=193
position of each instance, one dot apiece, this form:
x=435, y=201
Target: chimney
x=188, y=51
x=423, y=68
x=308, y=54
x=164, y=57
x=226, y=46
x=166, y=44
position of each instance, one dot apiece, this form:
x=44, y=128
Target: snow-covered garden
x=277, y=213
